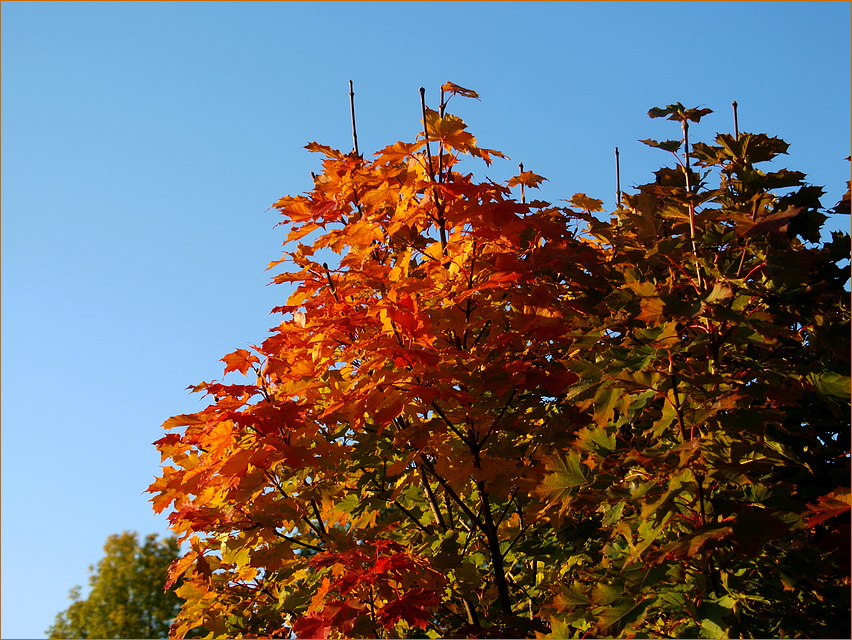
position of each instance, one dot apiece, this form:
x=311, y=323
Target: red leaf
x=830, y=505
x=410, y=607
x=314, y=625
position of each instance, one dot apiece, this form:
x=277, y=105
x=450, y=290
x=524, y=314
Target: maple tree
x=487, y=417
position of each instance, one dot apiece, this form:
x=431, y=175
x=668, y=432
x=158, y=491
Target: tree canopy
x=487, y=416
x=127, y=598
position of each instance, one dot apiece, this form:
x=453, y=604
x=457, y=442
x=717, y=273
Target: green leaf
x=613, y=618
x=604, y=594
x=665, y=145
x=572, y=596
x=831, y=384
x=596, y=439
x=713, y=613
x=566, y=474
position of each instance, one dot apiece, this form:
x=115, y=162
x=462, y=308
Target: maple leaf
x=455, y=89
x=313, y=625
x=411, y=607
x=830, y=505
x=450, y=130
x=583, y=201
x=526, y=178
x=240, y=360
x=774, y=223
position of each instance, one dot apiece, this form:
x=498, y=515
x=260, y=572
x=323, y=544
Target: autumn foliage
x=483, y=416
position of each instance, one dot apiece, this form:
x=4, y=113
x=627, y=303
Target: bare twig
x=352, y=111
x=442, y=225
x=617, y=179
x=426, y=132
x=736, y=124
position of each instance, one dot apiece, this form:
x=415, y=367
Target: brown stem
x=330, y=281
x=472, y=618
x=449, y=506
x=318, y=516
x=500, y=417
x=678, y=408
x=426, y=132
x=352, y=111
x=474, y=519
x=692, y=231
x=424, y=528
x=700, y=478
x=298, y=542
x=442, y=225
x=617, y=179
x=449, y=423
x=433, y=502
x=497, y=566
x=736, y=124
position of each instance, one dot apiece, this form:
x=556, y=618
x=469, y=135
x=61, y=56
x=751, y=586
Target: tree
x=127, y=598
x=488, y=417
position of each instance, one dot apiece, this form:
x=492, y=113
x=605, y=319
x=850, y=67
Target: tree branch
x=449, y=491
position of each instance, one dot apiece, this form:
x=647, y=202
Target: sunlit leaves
x=240, y=360
x=475, y=406
x=455, y=89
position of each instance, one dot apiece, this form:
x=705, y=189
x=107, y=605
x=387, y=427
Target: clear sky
x=143, y=144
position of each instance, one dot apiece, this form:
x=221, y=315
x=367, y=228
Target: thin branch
x=352, y=111
x=517, y=537
x=617, y=179
x=499, y=417
x=298, y=542
x=449, y=423
x=319, y=533
x=330, y=282
x=442, y=225
x=472, y=618
x=508, y=505
x=497, y=566
x=424, y=528
x=677, y=406
x=426, y=132
x=449, y=491
x=318, y=516
x=433, y=502
x=736, y=124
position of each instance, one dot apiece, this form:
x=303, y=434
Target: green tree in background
x=127, y=599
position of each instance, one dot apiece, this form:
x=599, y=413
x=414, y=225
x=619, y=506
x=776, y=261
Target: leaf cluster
x=491, y=418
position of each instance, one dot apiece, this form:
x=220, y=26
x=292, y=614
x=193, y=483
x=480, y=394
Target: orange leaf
x=526, y=178
x=582, y=201
x=451, y=87
x=240, y=360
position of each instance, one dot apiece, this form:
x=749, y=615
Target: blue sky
x=143, y=144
